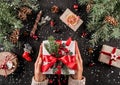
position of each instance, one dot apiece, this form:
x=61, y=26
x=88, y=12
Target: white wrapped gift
x=71, y=47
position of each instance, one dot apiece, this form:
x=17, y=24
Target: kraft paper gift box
x=71, y=47
x=110, y=55
x=64, y=16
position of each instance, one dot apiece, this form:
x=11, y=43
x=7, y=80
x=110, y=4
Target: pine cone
x=111, y=20
x=14, y=36
x=23, y=12
x=88, y=8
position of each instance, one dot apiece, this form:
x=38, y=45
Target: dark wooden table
x=99, y=74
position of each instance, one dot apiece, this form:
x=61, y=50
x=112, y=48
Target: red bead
x=84, y=34
x=60, y=52
x=59, y=67
x=52, y=23
x=35, y=37
x=91, y=64
x=58, y=70
x=75, y=6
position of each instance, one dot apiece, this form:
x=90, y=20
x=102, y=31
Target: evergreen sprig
x=8, y=22
x=101, y=30
x=34, y=4
x=52, y=47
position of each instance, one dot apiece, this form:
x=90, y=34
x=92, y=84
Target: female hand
x=38, y=76
x=79, y=71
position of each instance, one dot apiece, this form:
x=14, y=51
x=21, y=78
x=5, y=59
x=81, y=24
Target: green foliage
x=52, y=47
x=8, y=22
x=101, y=30
x=30, y=3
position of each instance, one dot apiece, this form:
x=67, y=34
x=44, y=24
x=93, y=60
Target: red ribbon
x=69, y=61
x=113, y=56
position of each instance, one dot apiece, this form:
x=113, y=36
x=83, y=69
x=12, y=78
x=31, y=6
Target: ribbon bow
x=113, y=56
x=49, y=61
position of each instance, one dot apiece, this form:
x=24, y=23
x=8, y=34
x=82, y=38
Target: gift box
x=71, y=19
x=110, y=55
x=63, y=62
x=8, y=63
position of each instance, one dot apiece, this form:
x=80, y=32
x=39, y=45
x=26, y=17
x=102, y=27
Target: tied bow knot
x=114, y=56
x=49, y=61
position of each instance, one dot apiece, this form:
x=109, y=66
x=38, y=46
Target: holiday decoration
x=75, y=6
x=44, y=20
x=84, y=34
x=8, y=63
x=110, y=55
x=23, y=12
x=70, y=19
x=91, y=64
x=8, y=23
x=27, y=51
x=35, y=37
x=88, y=8
x=14, y=36
x=54, y=9
x=103, y=19
x=58, y=57
x=52, y=23
x=90, y=50
x=111, y=20
x=36, y=23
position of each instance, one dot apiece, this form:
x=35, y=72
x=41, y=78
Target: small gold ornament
x=14, y=36
x=54, y=9
x=23, y=12
x=111, y=20
x=90, y=50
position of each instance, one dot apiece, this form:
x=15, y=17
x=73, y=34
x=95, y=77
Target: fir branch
x=8, y=22
x=100, y=29
x=52, y=47
x=30, y=3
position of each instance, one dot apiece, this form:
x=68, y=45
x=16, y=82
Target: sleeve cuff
x=45, y=82
x=72, y=81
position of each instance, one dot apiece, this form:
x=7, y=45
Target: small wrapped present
x=110, y=55
x=71, y=19
x=8, y=63
x=59, y=57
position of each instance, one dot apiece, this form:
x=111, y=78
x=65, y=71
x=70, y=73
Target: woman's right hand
x=38, y=76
